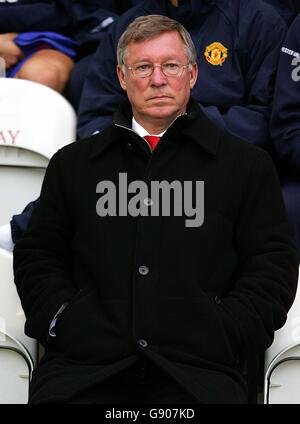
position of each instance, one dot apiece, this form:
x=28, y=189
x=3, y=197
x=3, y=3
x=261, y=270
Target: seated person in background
x=46, y=65
x=86, y=22
x=237, y=43
x=91, y=20
x=162, y=303
x=237, y=62
x=288, y=9
x=285, y=123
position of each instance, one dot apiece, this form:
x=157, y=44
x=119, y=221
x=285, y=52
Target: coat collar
x=194, y=125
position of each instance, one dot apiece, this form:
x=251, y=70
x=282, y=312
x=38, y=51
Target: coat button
x=143, y=343
x=129, y=146
x=143, y=270
x=217, y=300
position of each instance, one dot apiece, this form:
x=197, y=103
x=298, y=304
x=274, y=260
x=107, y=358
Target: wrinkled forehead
x=165, y=46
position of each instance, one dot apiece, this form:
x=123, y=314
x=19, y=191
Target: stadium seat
x=35, y=121
x=18, y=353
x=282, y=361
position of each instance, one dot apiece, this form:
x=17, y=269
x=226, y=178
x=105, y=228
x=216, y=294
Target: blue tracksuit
x=91, y=18
x=81, y=19
x=30, y=15
x=285, y=123
x=236, y=94
x=85, y=20
x=288, y=9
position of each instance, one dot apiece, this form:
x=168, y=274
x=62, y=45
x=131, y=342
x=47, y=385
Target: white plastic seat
x=282, y=361
x=18, y=353
x=35, y=121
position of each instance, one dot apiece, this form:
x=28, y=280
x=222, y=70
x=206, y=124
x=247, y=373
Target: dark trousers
x=142, y=383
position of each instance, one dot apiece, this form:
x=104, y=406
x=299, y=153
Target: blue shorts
x=31, y=42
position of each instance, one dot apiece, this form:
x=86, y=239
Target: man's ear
x=121, y=77
x=193, y=75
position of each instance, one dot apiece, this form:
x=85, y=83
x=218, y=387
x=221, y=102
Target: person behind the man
x=288, y=9
x=159, y=259
x=237, y=43
x=285, y=124
x=35, y=41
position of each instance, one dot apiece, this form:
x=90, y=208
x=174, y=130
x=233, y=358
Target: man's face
x=158, y=97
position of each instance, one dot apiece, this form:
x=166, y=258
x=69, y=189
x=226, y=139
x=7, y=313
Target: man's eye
x=171, y=66
x=145, y=67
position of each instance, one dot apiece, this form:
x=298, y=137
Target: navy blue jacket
x=85, y=20
x=31, y=15
x=285, y=122
x=92, y=18
x=236, y=95
x=286, y=8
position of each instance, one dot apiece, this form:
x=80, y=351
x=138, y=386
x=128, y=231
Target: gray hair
x=146, y=27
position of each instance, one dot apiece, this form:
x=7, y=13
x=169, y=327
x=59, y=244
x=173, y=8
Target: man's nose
x=158, y=77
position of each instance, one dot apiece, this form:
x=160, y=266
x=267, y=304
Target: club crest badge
x=216, y=54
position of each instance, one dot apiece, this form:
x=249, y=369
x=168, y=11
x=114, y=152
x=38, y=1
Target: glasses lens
x=171, y=69
x=143, y=70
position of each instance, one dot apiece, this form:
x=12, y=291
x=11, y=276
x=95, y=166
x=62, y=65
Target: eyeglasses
x=169, y=69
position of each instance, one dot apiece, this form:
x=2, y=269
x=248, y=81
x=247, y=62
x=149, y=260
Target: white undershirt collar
x=136, y=127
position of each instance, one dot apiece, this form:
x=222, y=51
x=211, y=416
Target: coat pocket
x=193, y=327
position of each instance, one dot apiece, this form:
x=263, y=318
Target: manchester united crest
x=216, y=53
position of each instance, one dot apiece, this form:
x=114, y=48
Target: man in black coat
x=159, y=259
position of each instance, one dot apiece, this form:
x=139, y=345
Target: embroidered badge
x=216, y=53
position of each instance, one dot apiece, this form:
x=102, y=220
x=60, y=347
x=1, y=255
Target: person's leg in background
x=48, y=67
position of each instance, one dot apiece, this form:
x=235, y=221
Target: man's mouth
x=161, y=97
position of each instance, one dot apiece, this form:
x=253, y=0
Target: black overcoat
x=197, y=301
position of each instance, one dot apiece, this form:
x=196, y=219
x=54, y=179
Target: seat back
x=282, y=360
x=35, y=121
x=18, y=353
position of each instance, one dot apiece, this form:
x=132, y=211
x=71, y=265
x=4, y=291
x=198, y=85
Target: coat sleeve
x=40, y=16
x=42, y=257
x=285, y=122
x=260, y=36
x=265, y=283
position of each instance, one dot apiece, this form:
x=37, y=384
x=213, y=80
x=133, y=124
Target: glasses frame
x=181, y=68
